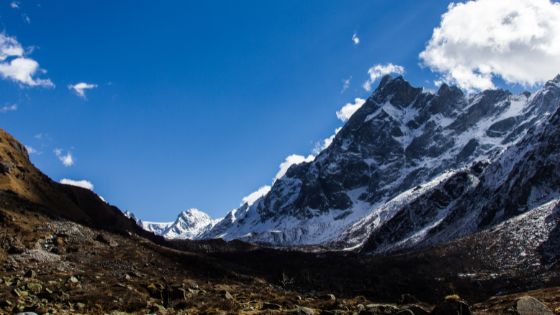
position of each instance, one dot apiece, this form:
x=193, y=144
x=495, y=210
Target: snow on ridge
x=449, y=130
x=189, y=225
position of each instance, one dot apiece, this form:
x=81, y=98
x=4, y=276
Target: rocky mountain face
x=412, y=168
x=190, y=224
x=21, y=180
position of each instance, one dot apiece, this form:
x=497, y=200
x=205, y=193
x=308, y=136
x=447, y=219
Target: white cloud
x=80, y=88
x=66, y=159
x=22, y=70
x=380, y=70
x=320, y=146
x=291, y=160
x=14, y=5
x=254, y=196
x=346, y=84
x=355, y=39
x=9, y=47
x=16, y=67
x=8, y=108
x=349, y=109
x=79, y=183
x=476, y=41
x=31, y=150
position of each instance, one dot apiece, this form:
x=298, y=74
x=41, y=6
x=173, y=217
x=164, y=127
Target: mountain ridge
x=400, y=138
x=189, y=224
x=399, y=172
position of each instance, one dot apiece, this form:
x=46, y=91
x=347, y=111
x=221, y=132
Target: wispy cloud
x=80, y=88
x=322, y=145
x=355, y=39
x=349, y=109
x=65, y=158
x=14, y=5
x=346, y=84
x=15, y=66
x=380, y=70
x=26, y=18
x=254, y=196
x=516, y=40
x=8, y=108
x=78, y=183
x=31, y=150
x=291, y=160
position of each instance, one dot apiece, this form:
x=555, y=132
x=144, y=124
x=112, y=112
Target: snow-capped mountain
x=188, y=225
x=412, y=167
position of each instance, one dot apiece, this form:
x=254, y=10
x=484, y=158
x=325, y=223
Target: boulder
x=528, y=305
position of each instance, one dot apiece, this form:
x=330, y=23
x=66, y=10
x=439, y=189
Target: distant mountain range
x=411, y=168
x=190, y=224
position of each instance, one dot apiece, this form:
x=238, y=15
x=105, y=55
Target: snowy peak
x=398, y=90
x=193, y=217
x=396, y=145
x=190, y=224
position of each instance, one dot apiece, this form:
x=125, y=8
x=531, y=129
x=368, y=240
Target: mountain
x=65, y=250
x=188, y=225
x=411, y=167
x=521, y=179
x=22, y=182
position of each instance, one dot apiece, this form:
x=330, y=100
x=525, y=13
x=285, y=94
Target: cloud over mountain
x=477, y=41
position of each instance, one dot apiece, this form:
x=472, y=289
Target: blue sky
x=196, y=103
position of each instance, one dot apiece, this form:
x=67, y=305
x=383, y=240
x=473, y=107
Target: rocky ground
x=60, y=267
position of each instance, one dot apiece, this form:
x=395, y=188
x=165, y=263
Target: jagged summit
x=398, y=89
x=402, y=143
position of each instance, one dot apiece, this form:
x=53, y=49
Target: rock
x=30, y=274
x=271, y=306
x=304, y=311
x=329, y=297
x=106, y=240
x=452, y=307
x=360, y=307
x=73, y=280
x=191, y=285
x=528, y=305
x=405, y=312
x=227, y=295
x=5, y=167
x=27, y=313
